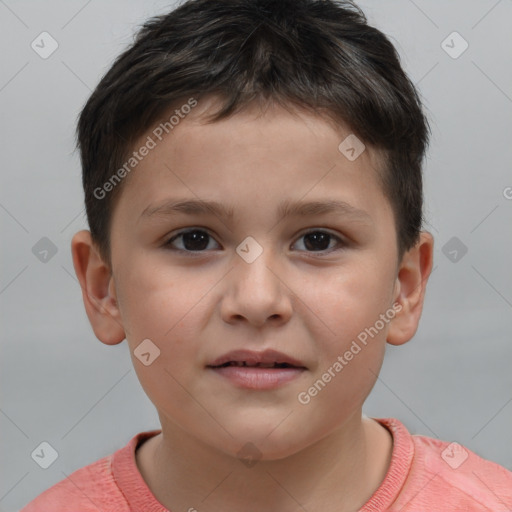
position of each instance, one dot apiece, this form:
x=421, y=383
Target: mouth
x=257, y=370
x=248, y=364
x=249, y=358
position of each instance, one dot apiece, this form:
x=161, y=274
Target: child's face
x=306, y=297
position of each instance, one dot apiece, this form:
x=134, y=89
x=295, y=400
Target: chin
x=252, y=444
x=250, y=453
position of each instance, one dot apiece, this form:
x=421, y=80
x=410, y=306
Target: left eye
x=197, y=240
x=319, y=240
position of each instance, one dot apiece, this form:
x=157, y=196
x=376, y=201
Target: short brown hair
x=320, y=55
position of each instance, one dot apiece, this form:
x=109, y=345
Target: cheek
x=350, y=303
x=351, y=350
x=164, y=308
x=159, y=300
x=361, y=315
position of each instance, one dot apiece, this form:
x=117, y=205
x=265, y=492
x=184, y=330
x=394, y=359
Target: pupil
x=321, y=239
x=195, y=240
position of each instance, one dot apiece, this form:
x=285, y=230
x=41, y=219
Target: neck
x=337, y=473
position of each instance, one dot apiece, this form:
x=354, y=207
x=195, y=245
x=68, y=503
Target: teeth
x=257, y=365
x=251, y=365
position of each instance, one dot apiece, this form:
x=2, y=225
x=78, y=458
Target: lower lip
x=258, y=377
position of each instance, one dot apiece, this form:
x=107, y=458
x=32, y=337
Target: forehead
x=254, y=155
x=270, y=129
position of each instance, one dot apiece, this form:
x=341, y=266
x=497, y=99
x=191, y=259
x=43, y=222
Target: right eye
x=193, y=240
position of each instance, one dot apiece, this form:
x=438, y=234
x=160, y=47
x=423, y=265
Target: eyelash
x=168, y=245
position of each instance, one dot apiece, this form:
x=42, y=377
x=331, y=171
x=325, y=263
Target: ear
x=98, y=289
x=410, y=286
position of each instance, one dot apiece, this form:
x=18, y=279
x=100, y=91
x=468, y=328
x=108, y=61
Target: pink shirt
x=425, y=474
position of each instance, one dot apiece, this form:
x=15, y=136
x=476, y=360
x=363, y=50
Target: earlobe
x=410, y=287
x=98, y=289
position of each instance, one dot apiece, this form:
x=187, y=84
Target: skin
x=310, y=304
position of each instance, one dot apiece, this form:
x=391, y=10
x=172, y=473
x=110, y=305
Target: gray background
x=61, y=385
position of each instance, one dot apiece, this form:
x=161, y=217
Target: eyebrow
x=287, y=208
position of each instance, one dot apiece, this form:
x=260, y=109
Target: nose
x=256, y=293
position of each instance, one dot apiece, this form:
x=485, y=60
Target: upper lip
x=252, y=358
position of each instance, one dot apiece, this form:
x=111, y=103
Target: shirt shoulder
x=432, y=475
x=110, y=484
x=448, y=476
x=88, y=489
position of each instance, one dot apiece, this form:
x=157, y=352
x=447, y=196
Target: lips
x=247, y=358
x=257, y=371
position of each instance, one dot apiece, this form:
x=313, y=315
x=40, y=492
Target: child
x=285, y=136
